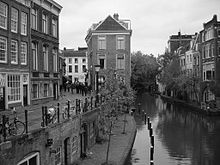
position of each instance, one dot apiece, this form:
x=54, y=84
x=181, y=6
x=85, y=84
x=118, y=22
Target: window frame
x=34, y=18
x=120, y=42
x=46, y=90
x=76, y=68
x=24, y=51
x=55, y=58
x=54, y=27
x=14, y=88
x=14, y=53
x=45, y=23
x=35, y=55
x=14, y=19
x=3, y=50
x=30, y=157
x=102, y=42
x=45, y=57
x=4, y=16
x=120, y=61
x=70, y=69
x=35, y=92
x=24, y=22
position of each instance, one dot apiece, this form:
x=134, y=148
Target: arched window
x=31, y=159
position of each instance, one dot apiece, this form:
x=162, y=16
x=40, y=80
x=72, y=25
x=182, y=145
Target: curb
x=128, y=149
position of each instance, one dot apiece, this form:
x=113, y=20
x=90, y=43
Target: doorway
x=25, y=95
x=2, y=98
x=67, y=151
x=83, y=141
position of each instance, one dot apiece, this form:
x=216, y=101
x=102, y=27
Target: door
x=25, y=95
x=67, y=151
x=2, y=98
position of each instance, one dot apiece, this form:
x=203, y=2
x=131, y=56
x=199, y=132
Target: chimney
x=116, y=16
x=64, y=48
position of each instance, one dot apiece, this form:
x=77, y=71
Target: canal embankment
x=192, y=107
x=122, y=139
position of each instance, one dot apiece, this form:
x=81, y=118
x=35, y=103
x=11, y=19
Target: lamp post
x=97, y=68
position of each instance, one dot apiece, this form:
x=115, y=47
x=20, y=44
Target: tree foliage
x=144, y=70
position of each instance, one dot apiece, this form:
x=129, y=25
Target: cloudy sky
x=152, y=21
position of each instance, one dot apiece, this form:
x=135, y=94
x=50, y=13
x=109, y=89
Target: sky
x=152, y=21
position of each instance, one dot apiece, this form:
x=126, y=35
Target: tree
x=144, y=70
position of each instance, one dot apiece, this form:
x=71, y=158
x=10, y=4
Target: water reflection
x=181, y=137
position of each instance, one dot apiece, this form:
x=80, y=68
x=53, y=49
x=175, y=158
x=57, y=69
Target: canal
x=181, y=137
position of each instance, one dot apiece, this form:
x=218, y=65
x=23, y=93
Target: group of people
x=79, y=87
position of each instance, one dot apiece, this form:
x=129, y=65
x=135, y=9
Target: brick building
x=109, y=44
x=14, y=53
x=210, y=61
x=44, y=77
x=176, y=41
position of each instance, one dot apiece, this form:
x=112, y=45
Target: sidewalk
x=120, y=144
x=35, y=111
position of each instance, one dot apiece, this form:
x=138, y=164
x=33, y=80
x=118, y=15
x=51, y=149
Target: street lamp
x=97, y=68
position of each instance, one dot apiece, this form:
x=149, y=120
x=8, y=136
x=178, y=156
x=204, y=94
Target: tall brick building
x=14, y=53
x=210, y=60
x=176, y=41
x=44, y=77
x=109, y=44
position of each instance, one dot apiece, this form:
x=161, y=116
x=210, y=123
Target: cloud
x=153, y=21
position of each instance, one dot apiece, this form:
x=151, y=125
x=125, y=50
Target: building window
x=23, y=53
x=120, y=61
x=45, y=56
x=83, y=60
x=3, y=15
x=34, y=19
x=101, y=42
x=102, y=61
x=14, y=52
x=14, y=90
x=54, y=27
x=14, y=20
x=3, y=49
x=46, y=90
x=70, y=60
x=45, y=23
x=35, y=55
x=23, y=23
x=58, y=156
x=70, y=77
x=84, y=68
x=33, y=159
x=70, y=68
x=55, y=69
x=120, y=42
x=76, y=69
x=35, y=91
x=76, y=60
x=74, y=144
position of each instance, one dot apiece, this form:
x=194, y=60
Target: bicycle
x=51, y=114
x=17, y=127
x=65, y=111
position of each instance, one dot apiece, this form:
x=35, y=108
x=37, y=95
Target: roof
x=74, y=53
x=110, y=24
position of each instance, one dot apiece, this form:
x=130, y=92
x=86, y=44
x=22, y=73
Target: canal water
x=180, y=136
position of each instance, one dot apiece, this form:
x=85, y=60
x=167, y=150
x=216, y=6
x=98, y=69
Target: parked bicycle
x=16, y=127
x=65, y=111
x=51, y=114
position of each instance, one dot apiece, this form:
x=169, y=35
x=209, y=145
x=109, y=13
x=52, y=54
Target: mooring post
x=26, y=120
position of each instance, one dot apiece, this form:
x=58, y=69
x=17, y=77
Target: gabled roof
x=110, y=24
